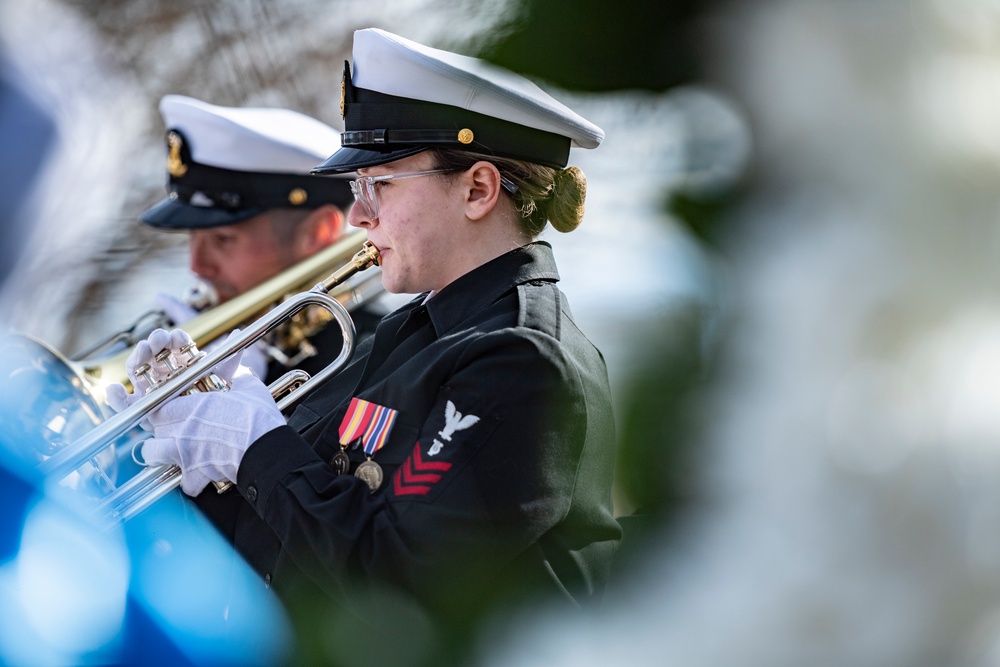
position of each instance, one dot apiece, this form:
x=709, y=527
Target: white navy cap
x=227, y=164
x=403, y=98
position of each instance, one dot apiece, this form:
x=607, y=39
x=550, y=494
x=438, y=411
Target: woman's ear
x=483, y=182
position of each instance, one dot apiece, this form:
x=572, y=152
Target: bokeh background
x=789, y=259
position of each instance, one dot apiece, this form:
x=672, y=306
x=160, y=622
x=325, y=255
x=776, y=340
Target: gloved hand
x=144, y=353
x=254, y=357
x=206, y=434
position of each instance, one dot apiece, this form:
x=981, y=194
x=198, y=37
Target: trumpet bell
x=45, y=405
x=54, y=414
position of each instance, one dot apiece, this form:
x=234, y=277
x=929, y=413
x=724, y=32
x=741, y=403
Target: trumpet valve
x=166, y=357
x=175, y=361
x=211, y=381
x=192, y=353
x=145, y=371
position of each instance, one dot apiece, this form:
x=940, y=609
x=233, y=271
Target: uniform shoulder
x=541, y=307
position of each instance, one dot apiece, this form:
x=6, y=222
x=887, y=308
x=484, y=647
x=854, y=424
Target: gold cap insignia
x=298, y=196
x=343, y=95
x=465, y=136
x=175, y=163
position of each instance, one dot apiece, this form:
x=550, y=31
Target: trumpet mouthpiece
x=365, y=258
x=368, y=255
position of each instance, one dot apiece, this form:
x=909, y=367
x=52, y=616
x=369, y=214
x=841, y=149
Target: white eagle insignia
x=453, y=421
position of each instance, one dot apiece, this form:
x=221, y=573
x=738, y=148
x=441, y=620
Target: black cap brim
x=172, y=213
x=351, y=159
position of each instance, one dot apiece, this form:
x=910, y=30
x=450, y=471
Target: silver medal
x=370, y=473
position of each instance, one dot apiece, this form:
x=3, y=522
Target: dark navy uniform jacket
x=497, y=469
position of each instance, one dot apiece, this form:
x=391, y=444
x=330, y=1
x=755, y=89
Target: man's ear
x=321, y=228
x=483, y=182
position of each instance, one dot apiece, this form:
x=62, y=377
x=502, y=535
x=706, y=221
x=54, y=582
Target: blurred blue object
x=165, y=588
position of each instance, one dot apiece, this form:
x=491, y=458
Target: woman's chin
x=390, y=283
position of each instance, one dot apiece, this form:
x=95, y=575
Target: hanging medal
x=370, y=473
x=352, y=427
x=372, y=424
x=340, y=461
x=375, y=436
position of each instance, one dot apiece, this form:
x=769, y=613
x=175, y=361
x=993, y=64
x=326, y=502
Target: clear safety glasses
x=363, y=188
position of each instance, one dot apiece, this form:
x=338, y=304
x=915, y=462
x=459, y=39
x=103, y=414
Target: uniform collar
x=486, y=284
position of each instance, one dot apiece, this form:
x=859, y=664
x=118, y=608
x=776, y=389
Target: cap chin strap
x=381, y=137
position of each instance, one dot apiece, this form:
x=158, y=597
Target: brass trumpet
x=153, y=483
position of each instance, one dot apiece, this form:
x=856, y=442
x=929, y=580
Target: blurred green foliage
x=595, y=45
x=654, y=45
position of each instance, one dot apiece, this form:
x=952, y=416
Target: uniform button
x=267, y=581
x=252, y=493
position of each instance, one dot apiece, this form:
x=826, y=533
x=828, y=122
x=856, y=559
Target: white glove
x=174, y=308
x=144, y=353
x=206, y=434
x=179, y=312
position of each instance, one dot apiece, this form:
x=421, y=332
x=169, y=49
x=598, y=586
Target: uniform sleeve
x=490, y=470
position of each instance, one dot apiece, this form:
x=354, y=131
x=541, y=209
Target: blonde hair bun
x=565, y=206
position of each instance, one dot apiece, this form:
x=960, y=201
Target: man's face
x=236, y=257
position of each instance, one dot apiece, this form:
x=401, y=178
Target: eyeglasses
x=363, y=188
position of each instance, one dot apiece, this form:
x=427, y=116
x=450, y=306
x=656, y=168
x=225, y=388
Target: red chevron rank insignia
x=416, y=476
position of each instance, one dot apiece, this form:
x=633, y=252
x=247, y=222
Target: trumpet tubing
x=221, y=319
x=152, y=483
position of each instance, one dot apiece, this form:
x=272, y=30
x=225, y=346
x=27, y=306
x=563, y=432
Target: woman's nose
x=356, y=217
